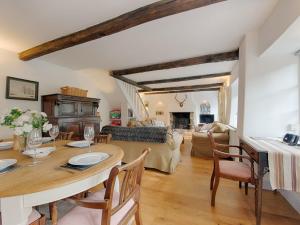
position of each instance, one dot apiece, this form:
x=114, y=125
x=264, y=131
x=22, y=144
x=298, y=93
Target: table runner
x=284, y=162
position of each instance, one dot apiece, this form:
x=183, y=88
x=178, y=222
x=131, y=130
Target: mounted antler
x=181, y=102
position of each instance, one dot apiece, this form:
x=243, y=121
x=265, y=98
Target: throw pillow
x=206, y=127
x=219, y=128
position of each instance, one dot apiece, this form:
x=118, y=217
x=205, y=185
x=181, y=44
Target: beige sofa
x=163, y=156
x=200, y=142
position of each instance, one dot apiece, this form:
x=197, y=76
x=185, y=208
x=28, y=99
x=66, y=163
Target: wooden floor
x=183, y=198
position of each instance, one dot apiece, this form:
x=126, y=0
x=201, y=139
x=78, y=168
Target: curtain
x=224, y=104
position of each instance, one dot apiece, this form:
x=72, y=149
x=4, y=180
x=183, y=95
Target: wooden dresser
x=72, y=113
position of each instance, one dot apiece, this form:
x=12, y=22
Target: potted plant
x=23, y=122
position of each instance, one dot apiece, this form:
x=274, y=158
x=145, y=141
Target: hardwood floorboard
x=183, y=198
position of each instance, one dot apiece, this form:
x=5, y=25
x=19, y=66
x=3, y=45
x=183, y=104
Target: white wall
x=268, y=95
x=51, y=77
x=212, y=98
x=284, y=14
x=167, y=104
x=271, y=91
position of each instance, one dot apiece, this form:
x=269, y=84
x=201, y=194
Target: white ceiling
x=212, y=29
x=288, y=43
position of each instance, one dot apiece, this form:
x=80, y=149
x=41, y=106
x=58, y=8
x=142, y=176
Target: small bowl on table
x=39, y=152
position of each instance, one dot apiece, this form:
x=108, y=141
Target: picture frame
x=21, y=89
x=159, y=113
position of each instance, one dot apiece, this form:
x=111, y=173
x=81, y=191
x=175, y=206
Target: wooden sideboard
x=72, y=113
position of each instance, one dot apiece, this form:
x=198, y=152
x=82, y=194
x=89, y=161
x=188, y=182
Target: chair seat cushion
x=234, y=169
x=86, y=216
x=35, y=215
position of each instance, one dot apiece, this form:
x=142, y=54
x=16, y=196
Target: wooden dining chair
x=232, y=170
x=102, y=138
x=35, y=218
x=65, y=135
x=108, y=207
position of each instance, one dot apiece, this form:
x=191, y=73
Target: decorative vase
x=20, y=143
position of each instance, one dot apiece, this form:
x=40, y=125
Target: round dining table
x=29, y=186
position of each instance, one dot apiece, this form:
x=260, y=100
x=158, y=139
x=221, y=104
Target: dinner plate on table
x=79, y=144
x=6, y=145
x=88, y=159
x=5, y=163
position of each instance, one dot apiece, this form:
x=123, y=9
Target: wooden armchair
x=102, y=138
x=237, y=171
x=65, y=135
x=108, y=207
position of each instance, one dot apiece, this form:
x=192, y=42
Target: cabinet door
x=67, y=108
x=75, y=127
x=87, y=109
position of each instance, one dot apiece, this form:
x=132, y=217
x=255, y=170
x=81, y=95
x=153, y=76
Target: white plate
x=88, y=159
x=46, y=139
x=4, y=163
x=6, y=145
x=40, y=152
x=79, y=144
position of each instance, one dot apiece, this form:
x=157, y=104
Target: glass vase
x=20, y=143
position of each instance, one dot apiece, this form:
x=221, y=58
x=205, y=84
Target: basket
x=73, y=91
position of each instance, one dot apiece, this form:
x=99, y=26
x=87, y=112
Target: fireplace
x=181, y=120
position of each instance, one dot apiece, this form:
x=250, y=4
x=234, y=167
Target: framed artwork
x=21, y=89
x=159, y=113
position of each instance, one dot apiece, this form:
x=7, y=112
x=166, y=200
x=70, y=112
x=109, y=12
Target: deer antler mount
x=180, y=102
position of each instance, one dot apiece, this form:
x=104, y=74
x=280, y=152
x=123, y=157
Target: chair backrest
x=211, y=140
x=129, y=188
x=65, y=135
x=102, y=138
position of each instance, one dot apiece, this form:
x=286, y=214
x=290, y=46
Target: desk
x=279, y=159
x=46, y=182
x=260, y=156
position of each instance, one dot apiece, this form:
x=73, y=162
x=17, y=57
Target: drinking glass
x=54, y=132
x=89, y=135
x=34, y=140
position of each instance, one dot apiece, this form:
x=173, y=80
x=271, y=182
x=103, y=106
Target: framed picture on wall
x=21, y=89
x=159, y=113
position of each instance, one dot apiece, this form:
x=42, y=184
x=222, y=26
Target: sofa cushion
x=206, y=127
x=145, y=134
x=219, y=128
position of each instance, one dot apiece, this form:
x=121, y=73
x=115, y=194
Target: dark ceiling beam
x=201, y=86
x=129, y=81
x=198, y=77
x=212, y=58
x=125, y=21
x=182, y=91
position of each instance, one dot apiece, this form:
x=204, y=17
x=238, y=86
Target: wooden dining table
x=29, y=186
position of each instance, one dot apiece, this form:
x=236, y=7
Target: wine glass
x=89, y=134
x=54, y=132
x=34, y=140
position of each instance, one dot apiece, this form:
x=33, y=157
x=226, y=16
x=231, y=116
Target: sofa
x=200, y=143
x=165, y=146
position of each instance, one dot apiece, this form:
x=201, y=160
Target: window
x=234, y=103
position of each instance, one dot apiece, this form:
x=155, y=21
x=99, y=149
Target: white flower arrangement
x=24, y=121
